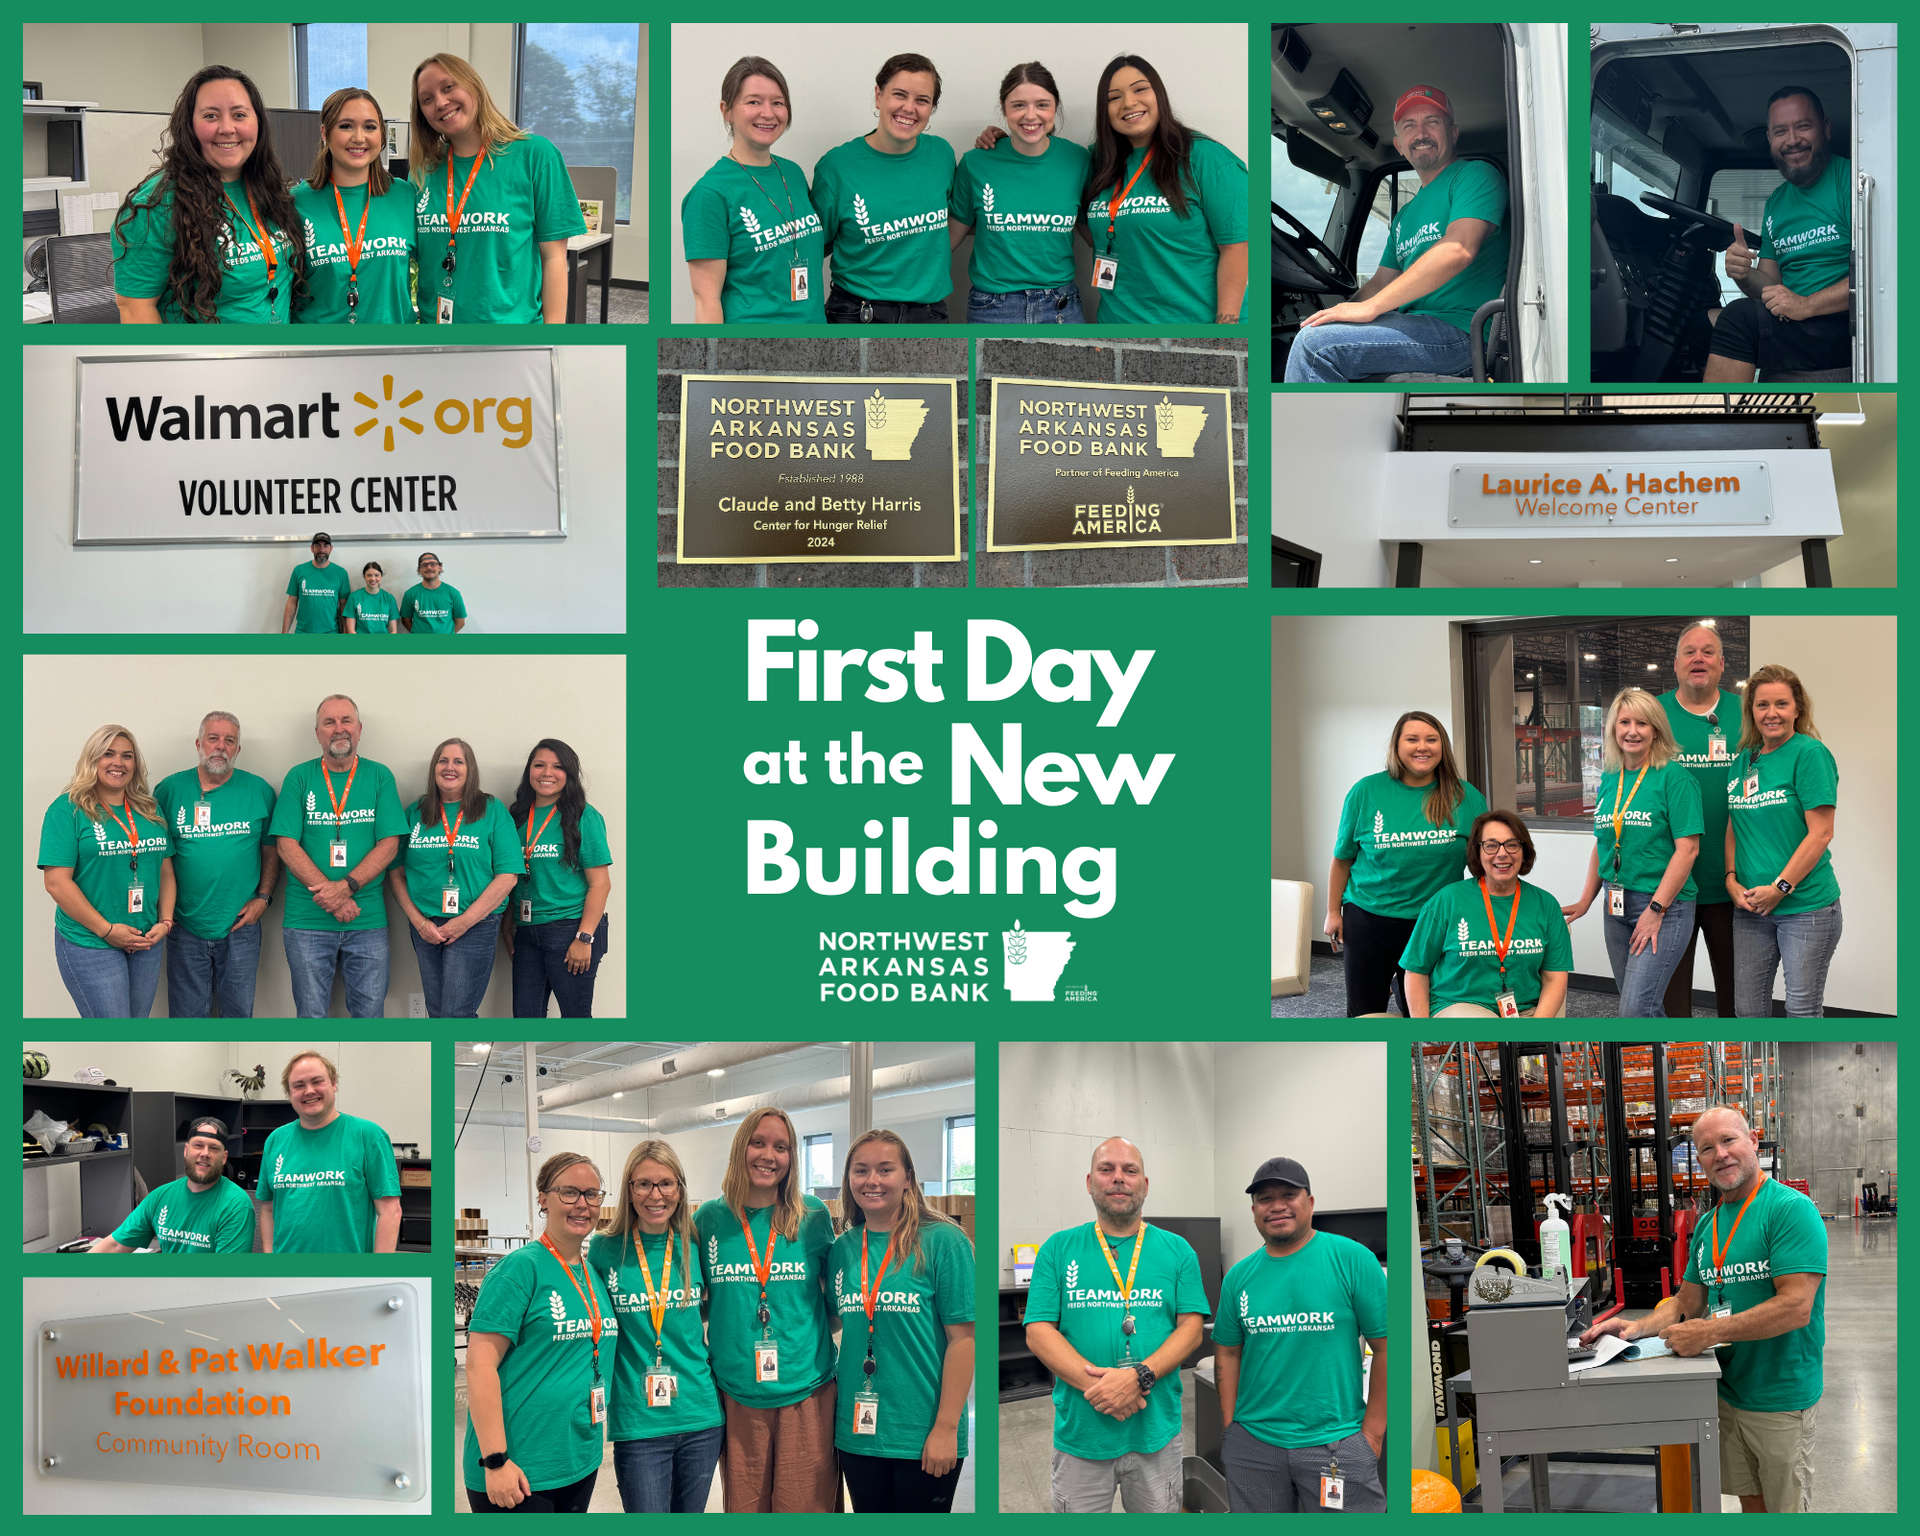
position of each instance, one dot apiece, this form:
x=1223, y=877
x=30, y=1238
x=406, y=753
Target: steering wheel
x=1719, y=232
x=1304, y=263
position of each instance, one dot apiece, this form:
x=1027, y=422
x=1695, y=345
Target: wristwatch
x=1783, y=886
x=352, y=884
x=1655, y=907
x=266, y=896
x=584, y=938
x=494, y=1462
x=1147, y=1378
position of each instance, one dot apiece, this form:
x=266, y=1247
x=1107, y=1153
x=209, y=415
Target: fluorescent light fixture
x=617, y=1095
x=1589, y=656
x=1673, y=559
x=1854, y=418
x=1534, y=562
x=482, y=1049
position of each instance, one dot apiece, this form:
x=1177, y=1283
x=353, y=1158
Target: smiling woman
x=364, y=275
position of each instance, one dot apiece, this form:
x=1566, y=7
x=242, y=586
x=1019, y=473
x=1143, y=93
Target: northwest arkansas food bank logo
x=1033, y=962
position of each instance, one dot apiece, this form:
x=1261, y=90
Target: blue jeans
x=1026, y=306
x=360, y=954
x=1799, y=943
x=201, y=972
x=1642, y=978
x=1395, y=343
x=668, y=1474
x=108, y=983
x=455, y=976
x=540, y=969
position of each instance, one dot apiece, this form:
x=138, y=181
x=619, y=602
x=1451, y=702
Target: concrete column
x=530, y=1086
x=859, y=1090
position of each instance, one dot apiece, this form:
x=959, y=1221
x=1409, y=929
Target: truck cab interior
x=1337, y=179
x=1679, y=160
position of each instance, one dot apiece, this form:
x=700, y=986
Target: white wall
x=1329, y=468
x=262, y=51
x=1204, y=66
x=124, y=68
x=511, y=586
x=79, y=1293
x=501, y=704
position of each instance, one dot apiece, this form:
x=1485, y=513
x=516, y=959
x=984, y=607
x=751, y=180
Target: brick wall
x=1215, y=362
x=823, y=358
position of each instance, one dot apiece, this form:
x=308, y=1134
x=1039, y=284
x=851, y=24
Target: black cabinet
x=159, y=1115
x=106, y=1174
x=416, y=1205
x=1022, y=1374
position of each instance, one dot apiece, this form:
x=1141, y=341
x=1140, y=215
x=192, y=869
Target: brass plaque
x=777, y=469
x=1089, y=466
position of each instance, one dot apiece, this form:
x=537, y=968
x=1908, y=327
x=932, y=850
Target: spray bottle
x=1555, y=1242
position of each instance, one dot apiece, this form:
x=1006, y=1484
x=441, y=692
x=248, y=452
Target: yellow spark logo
x=386, y=394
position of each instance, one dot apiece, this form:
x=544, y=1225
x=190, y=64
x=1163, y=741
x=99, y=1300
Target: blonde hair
x=915, y=1213
x=286, y=1072
x=427, y=147
x=84, y=788
x=1802, y=706
x=379, y=178
x=1662, y=749
x=789, y=1204
x=679, y=1220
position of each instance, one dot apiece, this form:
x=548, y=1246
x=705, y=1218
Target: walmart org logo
x=386, y=395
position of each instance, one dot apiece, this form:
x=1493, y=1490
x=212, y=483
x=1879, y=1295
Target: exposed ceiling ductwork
x=693, y=1061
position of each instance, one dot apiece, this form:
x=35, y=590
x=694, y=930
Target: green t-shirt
x=1809, y=230
x=143, y=247
x=1022, y=209
x=795, y=1303
x=558, y=890
x=216, y=1220
x=1466, y=189
x=322, y=1184
x=1400, y=858
x=1298, y=1321
x=885, y=219
x=1075, y=1291
x=1780, y=1234
x=1452, y=947
x=479, y=853
x=374, y=613
x=370, y=810
x=522, y=196
x=1168, y=264
x=386, y=252
x=431, y=611
x=1695, y=737
x=101, y=859
x=216, y=868
x=915, y=1304
x=1794, y=779
x=761, y=223
x=546, y=1379
x=1665, y=806
x=695, y=1404
x=320, y=590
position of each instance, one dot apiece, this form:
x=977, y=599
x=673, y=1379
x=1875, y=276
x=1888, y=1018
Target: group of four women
x=476, y=235
x=1163, y=208
x=701, y=1337
x=1497, y=945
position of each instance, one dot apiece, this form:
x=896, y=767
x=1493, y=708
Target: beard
x=1125, y=1213
x=340, y=747
x=1816, y=165
x=223, y=768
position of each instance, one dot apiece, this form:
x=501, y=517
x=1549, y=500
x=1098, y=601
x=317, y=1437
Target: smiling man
x=205, y=1212
x=317, y=592
x=328, y=1181
x=1755, y=1293
x=1112, y=1313
x=1446, y=255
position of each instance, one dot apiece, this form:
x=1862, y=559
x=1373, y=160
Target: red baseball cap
x=1431, y=94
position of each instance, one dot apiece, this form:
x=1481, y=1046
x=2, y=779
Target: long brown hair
x=915, y=1213
x=1172, y=146
x=789, y=1203
x=1448, y=788
x=379, y=179
x=679, y=1219
x=200, y=208
x=427, y=147
x=473, y=801
x=1802, y=706
x=83, y=789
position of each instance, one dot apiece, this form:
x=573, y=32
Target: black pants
x=1374, y=945
x=570, y=1500
x=893, y=1485
x=1715, y=923
x=1748, y=332
x=845, y=308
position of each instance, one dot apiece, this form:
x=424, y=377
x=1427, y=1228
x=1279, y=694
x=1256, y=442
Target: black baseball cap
x=321, y=538
x=205, y=1125
x=1280, y=1170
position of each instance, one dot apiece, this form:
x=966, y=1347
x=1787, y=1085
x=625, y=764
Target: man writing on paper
x=1755, y=1292
x=1112, y=1312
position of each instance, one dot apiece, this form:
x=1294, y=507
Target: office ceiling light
x=1529, y=677
x=1588, y=656
x=1653, y=666
x=1533, y=562
x=1857, y=417
x=716, y=1071
x=1673, y=559
x=482, y=1049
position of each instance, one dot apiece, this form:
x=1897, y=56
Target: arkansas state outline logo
x=1033, y=962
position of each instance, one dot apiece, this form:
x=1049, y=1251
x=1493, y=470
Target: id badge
x=1105, y=270
x=766, y=1361
x=661, y=1387
x=449, y=901
x=597, y=1402
x=1507, y=1006
x=1333, y=1492
x=1717, y=747
x=443, y=309
x=1723, y=1310
x=526, y=912
x=797, y=284
x=1750, y=785
x=1616, y=901
x=866, y=1413
x=136, y=899
x=202, y=815
x=337, y=854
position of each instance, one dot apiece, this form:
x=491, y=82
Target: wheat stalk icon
x=986, y=197
x=1243, y=1304
x=1073, y=1274
x=1379, y=823
x=163, y=1217
x=556, y=1306
x=713, y=1250
x=1463, y=930
x=1017, y=955
x=1163, y=413
x=747, y=218
x=310, y=800
x=860, y=216
x=876, y=411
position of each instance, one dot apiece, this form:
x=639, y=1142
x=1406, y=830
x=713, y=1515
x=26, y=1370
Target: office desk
x=579, y=248
x=36, y=309
x=1669, y=1401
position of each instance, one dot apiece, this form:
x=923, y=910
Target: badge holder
x=443, y=314
x=1750, y=785
x=1717, y=747
x=1507, y=1006
x=353, y=301
x=1616, y=901
x=337, y=854
x=526, y=912
x=766, y=1361
x=1333, y=1487
x=866, y=1412
x=1126, y=1333
x=136, y=898
x=202, y=815
x=1105, y=270
x=449, y=901
x=797, y=284
x=597, y=1402
x=662, y=1386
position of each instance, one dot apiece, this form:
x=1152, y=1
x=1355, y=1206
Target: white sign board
x=388, y=443
x=1547, y=494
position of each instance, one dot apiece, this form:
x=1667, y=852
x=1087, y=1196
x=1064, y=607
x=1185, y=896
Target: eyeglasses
x=575, y=1196
x=1509, y=846
x=644, y=1187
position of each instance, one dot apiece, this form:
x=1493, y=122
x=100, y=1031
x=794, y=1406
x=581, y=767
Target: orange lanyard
x=543, y=827
x=1126, y=1288
x=340, y=805
x=453, y=213
x=586, y=1297
x=657, y=1309
x=1619, y=810
x=1718, y=1251
x=452, y=831
x=753, y=1252
x=257, y=230
x=1501, y=945
x=355, y=243
x=133, y=836
x=1113, y=207
x=869, y=1297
